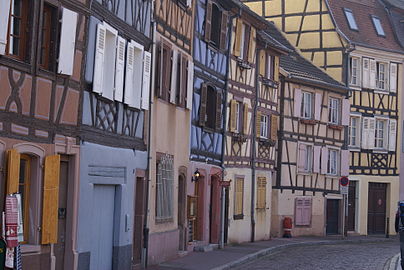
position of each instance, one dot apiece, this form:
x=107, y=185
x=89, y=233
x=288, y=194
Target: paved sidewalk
x=234, y=255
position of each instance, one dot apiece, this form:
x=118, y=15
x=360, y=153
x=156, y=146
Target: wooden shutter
x=245, y=119
x=324, y=160
x=372, y=130
x=190, y=84
x=297, y=105
x=159, y=68
x=202, y=106
x=345, y=162
x=392, y=134
x=393, y=77
x=302, y=154
x=13, y=171
x=316, y=158
x=174, y=82
x=237, y=38
x=223, y=31
x=276, y=68
x=365, y=132
x=98, y=80
x=274, y=127
x=130, y=63
x=218, y=110
x=365, y=73
x=261, y=192
x=346, y=109
x=372, y=76
x=239, y=196
x=251, y=46
x=262, y=63
x=184, y=81
x=166, y=72
x=317, y=106
x=146, y=80
x=233, y=115
x=258, y=124
x=4, y=19
x=50, y=200
x=67, y=42
x=119, y=68
x=208, y=21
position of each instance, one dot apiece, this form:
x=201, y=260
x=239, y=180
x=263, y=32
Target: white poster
x=20, y=228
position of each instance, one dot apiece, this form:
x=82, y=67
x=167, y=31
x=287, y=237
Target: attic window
x=351, y=19
x=378, y=26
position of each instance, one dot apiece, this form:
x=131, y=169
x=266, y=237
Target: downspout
x=280, y=132
x=222, y=192
x=145, y=249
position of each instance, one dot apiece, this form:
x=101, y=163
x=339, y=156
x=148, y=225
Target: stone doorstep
x=206, y=248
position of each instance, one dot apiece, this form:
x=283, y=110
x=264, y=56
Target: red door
x=215, y=211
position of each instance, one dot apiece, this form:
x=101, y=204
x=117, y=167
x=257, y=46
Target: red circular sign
x=344, y=181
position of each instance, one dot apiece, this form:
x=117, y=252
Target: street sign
x=344, y=181
x=343, y=190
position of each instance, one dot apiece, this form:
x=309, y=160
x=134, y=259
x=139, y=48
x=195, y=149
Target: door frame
x=340, y=212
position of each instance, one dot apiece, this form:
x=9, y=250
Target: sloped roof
x=366, y=35
x=298, y=67
x=395, y=3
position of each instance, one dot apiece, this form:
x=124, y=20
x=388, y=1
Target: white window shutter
x=345, y=162
x=316, y=158
x=297, y=103
x=130, y=62
x=393, y=77
x=324, y=160
x=365, y=73
x=346, y=108
x=119, y=68
x=372, y=77
x=189, y=3
x=174, y=81
x=372, y=130
x=190, y=84
x=146, y=80
x=392, y=134
x=67, y=42
x=365, y=132
x=4, y=18
x=317, y=107
x=98, y=79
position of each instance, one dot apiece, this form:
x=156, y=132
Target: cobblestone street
x=367, y=256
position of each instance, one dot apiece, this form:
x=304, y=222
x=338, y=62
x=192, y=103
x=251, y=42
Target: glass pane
x=17, y=7
x=23, y=165
x=378, y=26
x=16, y=26
x=351, y=20
x=16, y=46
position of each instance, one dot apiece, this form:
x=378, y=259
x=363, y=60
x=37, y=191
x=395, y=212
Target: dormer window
x=378, y=26
x=351, y=19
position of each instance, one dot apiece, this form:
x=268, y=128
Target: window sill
x=30, y=248
x=261, y=209
x=304, y=173
x=238, y=217
x=332, y=175
x=162, y=221
x=335, y=126
x=354, y=148
x=380, y=151
x=269, y=82
x=355, y=87
x=381, y=91
x=308, y=121
x=243, y=63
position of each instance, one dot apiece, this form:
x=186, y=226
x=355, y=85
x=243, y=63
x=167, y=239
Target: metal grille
x=164, y=189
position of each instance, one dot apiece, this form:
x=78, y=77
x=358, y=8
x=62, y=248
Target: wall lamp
x=196, y=176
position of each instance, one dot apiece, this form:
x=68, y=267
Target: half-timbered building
x=312, y=150
x=210, y=54
x=41, y=58
x=114, y=112
x=170, y=129
x=354, y=42
x=251, y=126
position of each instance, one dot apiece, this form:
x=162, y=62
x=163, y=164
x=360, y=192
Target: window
x=381, y=76
x=261, y=193
x=355, y=71
x=18, y=35
x=239, y=120
x=238, y=198
x=381, y=134
x=303, y=209
x=24, y=190
x=351, y=19
x=264, y=127
x=49, y=23
x=210, y=108
x=305, y=158
x=269, y=66
x=333, y=111
x=354, y=131
x=332, y=162
x=378, y=26
x=307, y=105
x=164, y=189
x=245, y=41
x=215, y=25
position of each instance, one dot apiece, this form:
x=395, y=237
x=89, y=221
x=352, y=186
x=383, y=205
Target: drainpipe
x=281, y=128
x=222, y=192
x=145, y=249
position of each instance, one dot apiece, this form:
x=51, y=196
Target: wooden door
x=226, y=214
x=181, y=212
x=332, y=216
x=377, y=208
x=199, y=192
x=102, y=227
x=351, y=206
x=140, y=204
x=59, y=247
x=214, y=211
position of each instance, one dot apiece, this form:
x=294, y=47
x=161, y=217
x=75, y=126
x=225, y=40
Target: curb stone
x=393, y=263
x=271, y=250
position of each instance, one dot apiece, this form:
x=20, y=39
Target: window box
x=237, y=137
x=267, y=142
x=269, y=82
x=335, y=127
x=237, y=217
x=243, y=63
x=308, y=121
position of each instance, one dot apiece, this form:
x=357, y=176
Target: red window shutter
x=223, y=31
x=208, y=21
x=202, y=107
x=218, y=110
